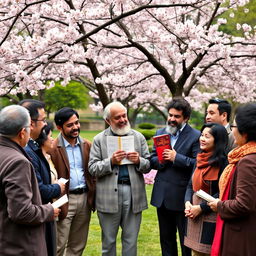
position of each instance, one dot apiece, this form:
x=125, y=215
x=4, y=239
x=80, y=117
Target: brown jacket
x=61, y=163
x=22, y=214
x=239, y=212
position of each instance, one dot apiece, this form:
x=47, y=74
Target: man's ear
x=59, y=127
x=224, y=115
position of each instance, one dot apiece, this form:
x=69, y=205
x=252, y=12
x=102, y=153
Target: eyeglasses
x=39, y=120
x=233, y=126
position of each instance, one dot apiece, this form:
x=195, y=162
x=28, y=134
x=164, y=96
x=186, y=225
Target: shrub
x=148, y=134
x=146, y=126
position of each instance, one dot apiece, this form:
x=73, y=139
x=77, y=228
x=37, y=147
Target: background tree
x=73, y=95
x=140, y=52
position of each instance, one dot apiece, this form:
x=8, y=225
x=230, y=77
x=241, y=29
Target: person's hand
x=133, y=157
x=56, y=212
x=62, y=187
x=188, y=206
x=213, y=204
x=117, y=157
x=169, y=155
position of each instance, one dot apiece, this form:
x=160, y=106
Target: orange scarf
x=204, y=171
x=233, y=157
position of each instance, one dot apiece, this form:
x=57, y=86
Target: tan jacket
x=61, y=163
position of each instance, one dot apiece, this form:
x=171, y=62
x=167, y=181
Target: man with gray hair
x=118, y=158
x=21, y=209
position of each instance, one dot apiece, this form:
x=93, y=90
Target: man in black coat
x=173, y=175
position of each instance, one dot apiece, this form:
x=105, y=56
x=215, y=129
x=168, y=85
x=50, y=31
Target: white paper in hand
x=63, y=180
x=62, y=200
x=205, y=195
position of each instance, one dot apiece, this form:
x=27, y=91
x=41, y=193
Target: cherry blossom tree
x=141, y=52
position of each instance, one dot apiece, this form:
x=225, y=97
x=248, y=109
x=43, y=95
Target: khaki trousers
x=72, y=232
x=195, y=253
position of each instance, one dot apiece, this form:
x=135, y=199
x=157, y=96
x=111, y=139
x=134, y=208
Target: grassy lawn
x=148, y=241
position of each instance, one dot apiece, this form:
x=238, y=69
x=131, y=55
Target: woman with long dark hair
x=210, y=163
x=236, y=221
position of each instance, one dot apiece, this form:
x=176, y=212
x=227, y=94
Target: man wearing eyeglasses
x=219, y=111
x=48, y=191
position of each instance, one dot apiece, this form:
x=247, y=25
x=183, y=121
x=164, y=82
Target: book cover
x=161, y=143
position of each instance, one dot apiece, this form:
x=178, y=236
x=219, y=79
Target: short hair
x=44, y=134
x=63, y=115
x=12, y=119
x=223, y=106
x=220, y=136
x=32, y=106
x=107, y=109
x=246, y=120
x=180, y=104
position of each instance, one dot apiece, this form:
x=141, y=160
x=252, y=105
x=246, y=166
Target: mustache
x=172, y=122
x=75, y=130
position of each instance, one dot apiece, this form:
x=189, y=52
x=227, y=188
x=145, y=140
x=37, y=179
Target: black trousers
x=169, y=221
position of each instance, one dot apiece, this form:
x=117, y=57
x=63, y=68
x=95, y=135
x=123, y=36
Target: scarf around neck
x=204, y=172
x=234, y=157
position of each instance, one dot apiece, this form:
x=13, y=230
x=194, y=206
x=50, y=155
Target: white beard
x=173, y=129
x=121, y=131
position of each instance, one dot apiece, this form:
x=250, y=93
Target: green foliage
x=74, y=95
x=239, y=17
x=196, y=119
x=148, y=134
x=147, y=126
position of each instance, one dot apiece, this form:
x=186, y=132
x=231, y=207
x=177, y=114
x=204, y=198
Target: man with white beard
x=173, y=175
x=120, y=188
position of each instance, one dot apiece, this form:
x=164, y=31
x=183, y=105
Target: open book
x=161, y=143
x=205, y=196
x=125, y=143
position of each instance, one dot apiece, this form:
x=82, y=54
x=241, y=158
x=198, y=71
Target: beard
x=121, y=131
x=172, y=127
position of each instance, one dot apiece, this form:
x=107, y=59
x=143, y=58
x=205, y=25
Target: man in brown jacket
x=70, y=156
x=21, y=211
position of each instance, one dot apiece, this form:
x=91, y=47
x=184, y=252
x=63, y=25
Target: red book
x=161, y=143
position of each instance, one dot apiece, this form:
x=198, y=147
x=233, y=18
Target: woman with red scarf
x=236, y=221
x=210, y=163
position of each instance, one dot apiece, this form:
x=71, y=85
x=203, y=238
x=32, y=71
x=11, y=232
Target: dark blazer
x=172, y=177
x=43, y=173
x=22, y=214
x=48, y=191
x=60, y=160
x=239, y=211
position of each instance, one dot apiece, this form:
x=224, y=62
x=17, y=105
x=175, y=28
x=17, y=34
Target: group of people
x=107, y=176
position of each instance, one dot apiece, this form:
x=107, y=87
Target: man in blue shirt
x=70, y=156
x=173, y=175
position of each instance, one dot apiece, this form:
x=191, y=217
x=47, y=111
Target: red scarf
x=204, y=172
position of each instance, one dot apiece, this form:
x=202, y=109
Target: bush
x=146, y=126
x=148, y=134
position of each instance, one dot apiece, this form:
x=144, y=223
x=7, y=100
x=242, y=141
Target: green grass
x=148, y=240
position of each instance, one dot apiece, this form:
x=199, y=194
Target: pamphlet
x=205, y=195
x=61, y=201
x=161, y=143
x=63, y=180
x=125, y=143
